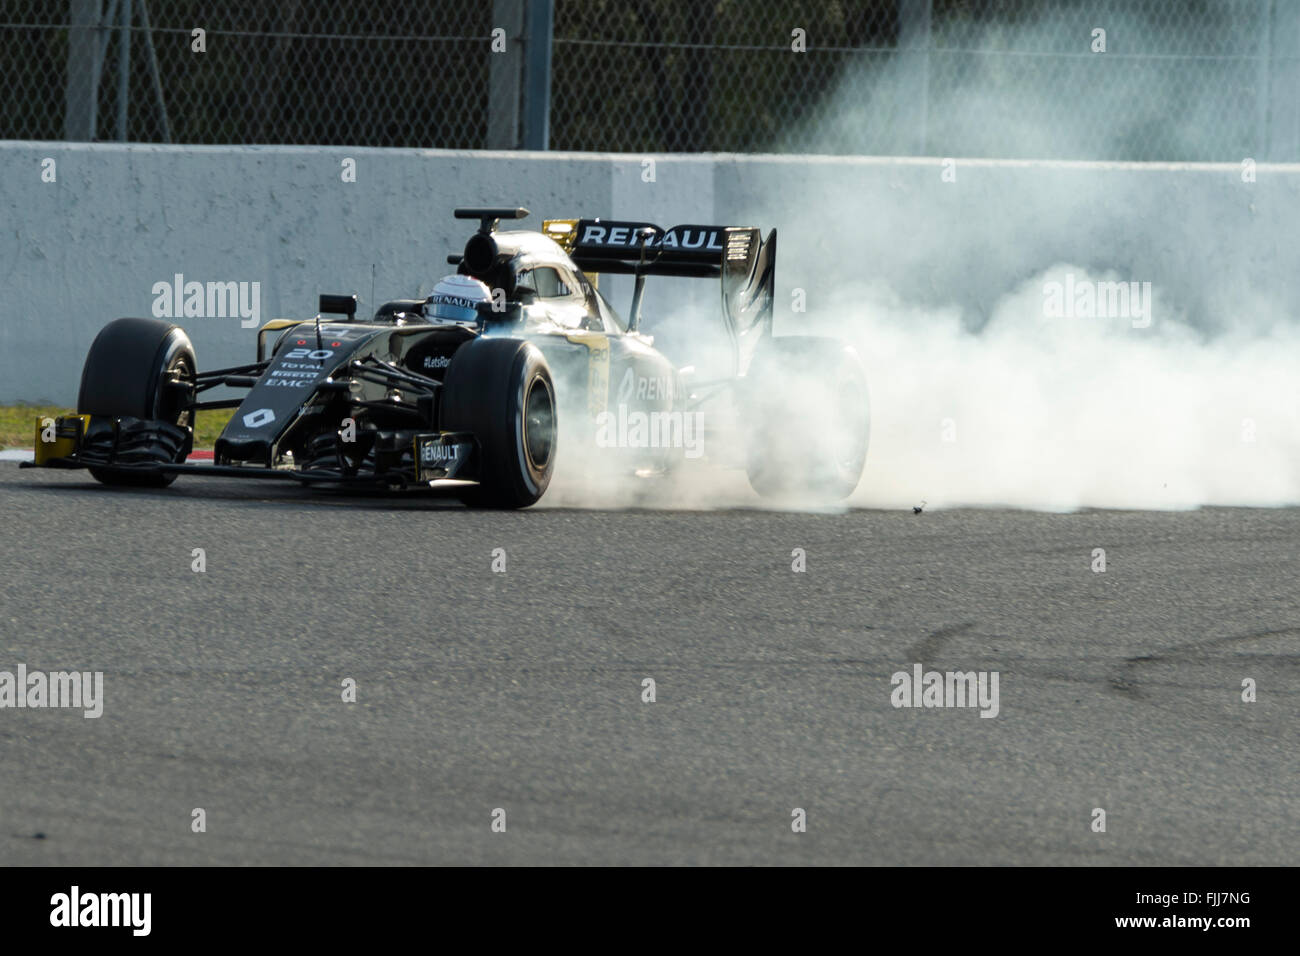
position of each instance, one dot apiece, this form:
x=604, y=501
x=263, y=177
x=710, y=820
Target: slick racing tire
x=138, y=368
x=807, y=418
x=501, y=390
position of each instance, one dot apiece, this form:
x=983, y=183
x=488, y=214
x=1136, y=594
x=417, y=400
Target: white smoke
x=1061, y=413
x=1032, y=411
x=982, y=394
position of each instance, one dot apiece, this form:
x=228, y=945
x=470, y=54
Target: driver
x=456, y=299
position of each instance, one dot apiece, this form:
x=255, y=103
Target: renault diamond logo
x=263, y=416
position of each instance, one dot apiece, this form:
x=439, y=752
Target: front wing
x=129, y=445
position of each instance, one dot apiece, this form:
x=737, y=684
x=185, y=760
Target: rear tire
x=132, y=370
x=807, y=418
x=501, y=391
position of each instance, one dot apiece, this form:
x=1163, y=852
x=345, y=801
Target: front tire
x=139, y=368
x=807, y=418
x=501, y=391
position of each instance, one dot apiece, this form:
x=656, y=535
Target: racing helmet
x=455, y=299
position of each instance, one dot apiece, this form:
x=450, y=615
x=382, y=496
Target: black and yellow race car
x=512, y=362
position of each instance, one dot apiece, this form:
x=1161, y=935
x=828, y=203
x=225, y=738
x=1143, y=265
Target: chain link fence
x=1075, y=79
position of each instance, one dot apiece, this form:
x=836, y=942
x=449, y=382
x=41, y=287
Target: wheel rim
x=539, y=424
x=173, y=405
x=846, y=449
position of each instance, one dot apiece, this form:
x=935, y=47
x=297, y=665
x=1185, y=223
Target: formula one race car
x=477, y=383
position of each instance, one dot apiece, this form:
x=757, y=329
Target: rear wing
x=738, y=255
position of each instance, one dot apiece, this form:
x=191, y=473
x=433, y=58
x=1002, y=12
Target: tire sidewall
x=486, y=389
x=123, y=377
x=124, y=369
x=787, y=451
x=531, y=372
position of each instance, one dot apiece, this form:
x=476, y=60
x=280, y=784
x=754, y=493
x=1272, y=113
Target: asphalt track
x=479, y=690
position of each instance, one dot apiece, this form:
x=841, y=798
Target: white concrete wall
x=89, y=247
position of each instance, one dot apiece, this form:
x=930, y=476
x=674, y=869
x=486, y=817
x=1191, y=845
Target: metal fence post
x=1283, y=144
x=123, y=70
x=537, y=74
x=82, y=93
x=1263, y=81
x=505, y=76
x=914, y=42
x=154, y=76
